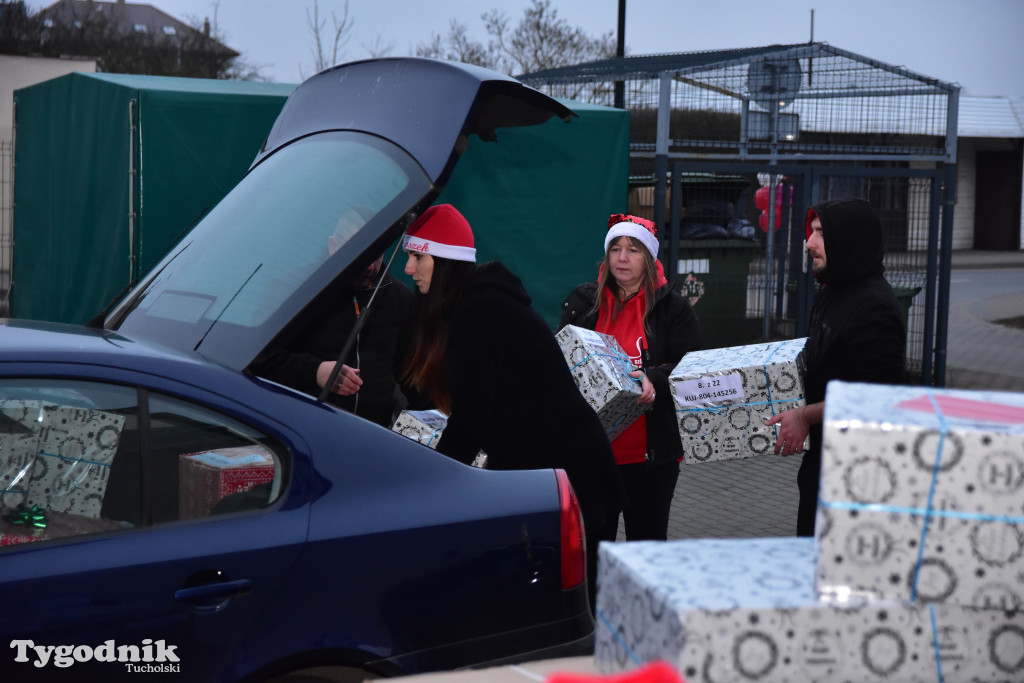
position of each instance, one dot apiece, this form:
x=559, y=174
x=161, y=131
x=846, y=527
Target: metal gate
x=750, y=284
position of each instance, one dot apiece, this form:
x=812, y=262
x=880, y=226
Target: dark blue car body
x=367, y=550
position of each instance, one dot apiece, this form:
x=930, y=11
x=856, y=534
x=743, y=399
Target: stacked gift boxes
x=425, y=427
x=601, y=370
x=922, y=495
x=723, y=396
x=747, y=610
x=208, y=477
x=916, y=573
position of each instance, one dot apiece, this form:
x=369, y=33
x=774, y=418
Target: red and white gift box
x=208, y=477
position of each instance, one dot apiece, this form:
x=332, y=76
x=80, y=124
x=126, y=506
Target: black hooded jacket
x=380, y=351
x=513, y=395
x=856, y=331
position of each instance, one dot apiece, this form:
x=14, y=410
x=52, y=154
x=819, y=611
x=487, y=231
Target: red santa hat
x=621, y=224
x=443, y=232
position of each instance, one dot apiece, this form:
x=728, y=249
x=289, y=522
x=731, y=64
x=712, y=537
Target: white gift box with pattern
x=922, y=495
x=57, y=457
x=601, y=369
x=425, y=427
x=723, y=396
x=746, y=610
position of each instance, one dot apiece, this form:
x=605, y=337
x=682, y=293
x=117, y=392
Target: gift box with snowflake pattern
x=601, y=369
x=746, y=610
x=922, y=495
x=723, y=396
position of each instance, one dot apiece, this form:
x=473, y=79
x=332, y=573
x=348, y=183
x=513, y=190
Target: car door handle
x=213, y=597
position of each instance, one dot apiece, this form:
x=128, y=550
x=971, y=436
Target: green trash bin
x=713, y=275
x=905, y=297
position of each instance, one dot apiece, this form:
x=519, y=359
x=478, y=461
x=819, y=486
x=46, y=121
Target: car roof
x=35, y=341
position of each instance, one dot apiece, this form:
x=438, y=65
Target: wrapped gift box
x=425, y=427
x=19, y=443
x=922, y=495
x=601, y=370
x=746, y=610
x=723, y=396
x=205, y=478
x=73, y=451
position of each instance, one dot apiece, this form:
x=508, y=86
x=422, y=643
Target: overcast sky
x=976, y=43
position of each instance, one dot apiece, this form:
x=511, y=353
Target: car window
x=237, y=273
x=74, y=460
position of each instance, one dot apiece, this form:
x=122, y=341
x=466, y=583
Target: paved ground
x=757, y=497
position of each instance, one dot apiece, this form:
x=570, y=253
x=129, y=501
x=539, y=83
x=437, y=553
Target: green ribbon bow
x=34, y=517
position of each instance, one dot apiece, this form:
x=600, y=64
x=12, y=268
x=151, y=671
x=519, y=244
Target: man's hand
x=345, y=384
x=795, y=424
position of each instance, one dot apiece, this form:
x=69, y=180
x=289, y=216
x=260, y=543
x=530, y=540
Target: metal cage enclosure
x=725, y=143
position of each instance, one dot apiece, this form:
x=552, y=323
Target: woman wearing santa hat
x=655, y=325
x=490, y=361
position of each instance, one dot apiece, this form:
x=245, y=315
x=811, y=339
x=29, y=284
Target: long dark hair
x=648, y=285
x=433, y=311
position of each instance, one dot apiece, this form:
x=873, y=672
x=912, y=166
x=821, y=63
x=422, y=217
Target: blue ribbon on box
x=82, y=460
x=721, y=410
x=433, y=435
x=768, y=387
x=618, y=637
x=927, y=512
x=626, y=365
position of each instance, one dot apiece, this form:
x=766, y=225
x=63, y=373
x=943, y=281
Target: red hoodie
x=628, y=329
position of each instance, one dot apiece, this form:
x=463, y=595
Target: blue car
x=165, y=509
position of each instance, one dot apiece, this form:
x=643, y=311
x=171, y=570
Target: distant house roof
x=131, y=17
x=990, y=117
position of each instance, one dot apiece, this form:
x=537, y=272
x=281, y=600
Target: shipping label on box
x=746, y=610
x=601, y=370
x=207, y=477
x=723, y=396
x=922, y=495
x=426, y=427
x=76, y=447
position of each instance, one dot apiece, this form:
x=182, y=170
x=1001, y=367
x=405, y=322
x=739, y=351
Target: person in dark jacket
x=491, y=362
x=856, y=331
x=655, y=325
x=368, y=382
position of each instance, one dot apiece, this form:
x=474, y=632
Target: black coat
x=380, y=352
x=856, y=331
x=674, y=331
x=514, y=397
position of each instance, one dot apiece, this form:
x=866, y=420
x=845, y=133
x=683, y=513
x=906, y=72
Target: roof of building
x=140, y=18
x=711, y=61
x=990, y=117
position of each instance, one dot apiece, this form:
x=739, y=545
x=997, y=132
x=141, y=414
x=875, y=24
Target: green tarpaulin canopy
x=113, y=169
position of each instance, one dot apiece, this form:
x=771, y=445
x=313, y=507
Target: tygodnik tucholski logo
x=150, y=657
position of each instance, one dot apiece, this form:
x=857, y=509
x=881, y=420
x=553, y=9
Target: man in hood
x=856, y=332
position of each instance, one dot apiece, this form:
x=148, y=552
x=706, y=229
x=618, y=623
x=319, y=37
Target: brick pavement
x=752, y=498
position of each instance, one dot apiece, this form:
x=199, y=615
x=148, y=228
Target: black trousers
x=649, y=490
x=807, y=481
